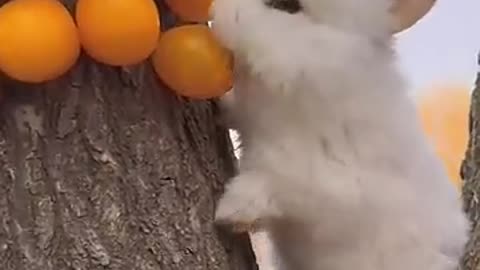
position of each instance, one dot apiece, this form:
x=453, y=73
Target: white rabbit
x=334, y=164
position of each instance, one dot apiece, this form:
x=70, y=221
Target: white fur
x=334, y=162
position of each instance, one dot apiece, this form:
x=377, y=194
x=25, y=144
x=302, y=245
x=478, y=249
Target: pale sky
x=443, y=47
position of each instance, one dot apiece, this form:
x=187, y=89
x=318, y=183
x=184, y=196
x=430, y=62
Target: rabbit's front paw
x=245, y=203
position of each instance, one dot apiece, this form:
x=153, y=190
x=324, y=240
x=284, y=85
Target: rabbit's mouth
x=291, y=6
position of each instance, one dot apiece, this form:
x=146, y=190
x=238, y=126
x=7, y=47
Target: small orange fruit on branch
x=38, y=40
x=191, y=61
x=118, y=32
x=408, y=12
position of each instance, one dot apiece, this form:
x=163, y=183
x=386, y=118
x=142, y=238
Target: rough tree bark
x=470, y=172
x=105, y=169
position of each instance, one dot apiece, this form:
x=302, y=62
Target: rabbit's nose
x=291, y=6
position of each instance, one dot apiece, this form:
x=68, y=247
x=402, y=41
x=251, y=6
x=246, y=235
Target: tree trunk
x=471, y=174
x=106, y=169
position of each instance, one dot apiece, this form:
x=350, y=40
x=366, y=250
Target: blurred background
x=442, y=48
x=439, y=58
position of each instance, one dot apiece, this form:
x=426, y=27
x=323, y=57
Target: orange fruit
x=118, y=32
x=191, y=61
x=38, y=40
x=444, y=113
x=191, y=10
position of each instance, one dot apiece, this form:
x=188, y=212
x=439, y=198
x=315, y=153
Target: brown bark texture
x=105, y=168
x=470, y=172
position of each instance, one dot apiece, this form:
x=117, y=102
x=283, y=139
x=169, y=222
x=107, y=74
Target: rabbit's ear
x=407, y=12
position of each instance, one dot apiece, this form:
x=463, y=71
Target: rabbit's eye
x=290, y=6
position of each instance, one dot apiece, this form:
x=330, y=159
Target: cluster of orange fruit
x=40, y=41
